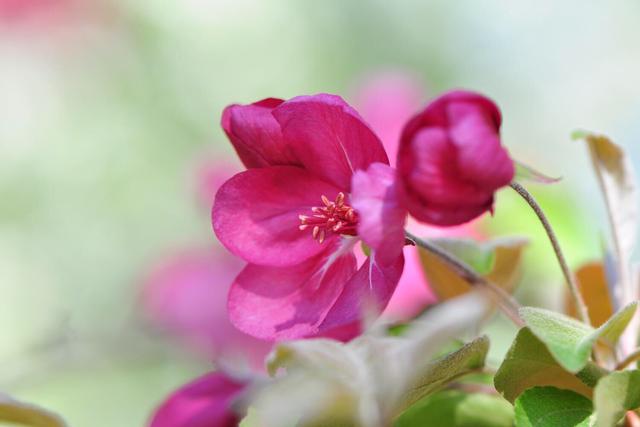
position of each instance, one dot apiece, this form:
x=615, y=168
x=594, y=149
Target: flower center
x=334, y=217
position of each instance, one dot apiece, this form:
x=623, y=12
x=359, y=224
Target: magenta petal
x=255, y=214
x=205, y=402
x=479, y=145
x=256, y=135
x=377, y=197
x=436, y=193
x=329, y=137
x=367, y=292
x=279, y=303
x=446, y=215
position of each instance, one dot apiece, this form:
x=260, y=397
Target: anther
x=333, y=218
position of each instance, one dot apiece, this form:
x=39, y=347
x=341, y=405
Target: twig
x=573, y=288
x=633, y=357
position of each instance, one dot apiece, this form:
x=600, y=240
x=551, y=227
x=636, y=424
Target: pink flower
x=186, y=294
x=205, y=402
x=292, y=216
x=451, y=161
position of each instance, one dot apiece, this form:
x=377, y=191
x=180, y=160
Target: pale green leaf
x=317, y=354
x=569, y=341
x=552, y=407
x=370, y=380
x=479, y=256
x=26, y=414
x=528, y=363
x=615, y=394
x=455, y=408
x=527, y=173
x=446, y=368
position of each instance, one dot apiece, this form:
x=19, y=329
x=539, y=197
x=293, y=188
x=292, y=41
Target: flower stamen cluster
x=334, y=217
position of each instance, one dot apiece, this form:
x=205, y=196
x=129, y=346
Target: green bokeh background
x=103, y=119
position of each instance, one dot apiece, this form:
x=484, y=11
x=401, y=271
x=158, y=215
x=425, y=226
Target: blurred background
x=111, y=150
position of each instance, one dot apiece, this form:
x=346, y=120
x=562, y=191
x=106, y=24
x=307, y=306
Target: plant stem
x=507, y=304
x=633, y=357
x=573, y=288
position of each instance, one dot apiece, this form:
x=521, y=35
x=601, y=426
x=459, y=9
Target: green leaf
x=528, y=363
x=479, y=256
x=527, y=173
x=25, y=414
x=552, y=407
x=497, y=260
x=615, y=394
x=446, y=368
x=455, y=408
x=569, y=341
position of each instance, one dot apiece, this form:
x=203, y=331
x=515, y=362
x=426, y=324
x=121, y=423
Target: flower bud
x=451, y=161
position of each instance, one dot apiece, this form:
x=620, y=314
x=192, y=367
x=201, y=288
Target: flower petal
x=329, y=137
x=278, y=303
x=255, y=214
x=205, y=402
x=435, y=176
x=475, y=136
x=377, y=197
x=367, y=292
x=256, y=135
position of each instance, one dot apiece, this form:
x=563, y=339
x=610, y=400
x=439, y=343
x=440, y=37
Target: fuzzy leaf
x=497, y=260
x=444, y=369
x=454, y=408
x=25, y=414
x=569, y=341
x=552, y=407
x=615, y=394
x=593, y=285
x=527, y=173
x=528, y=363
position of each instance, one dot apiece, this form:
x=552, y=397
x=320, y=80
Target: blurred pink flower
x=208, y=175
x=206, y=402
x=186, y=294
x=387, y=100
x=34, y=11
x=301, y=156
